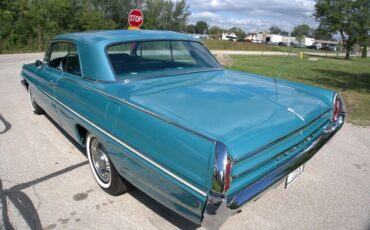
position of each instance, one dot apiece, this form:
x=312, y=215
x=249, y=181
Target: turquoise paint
x=175, y=120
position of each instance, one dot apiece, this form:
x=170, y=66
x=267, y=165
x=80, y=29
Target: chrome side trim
x=132, y=149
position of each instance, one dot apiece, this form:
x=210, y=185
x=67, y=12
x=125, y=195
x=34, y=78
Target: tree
x=349, y=18
x=275, y=30
x=302, y=30
x=166, y=15
x=190, y=29
x=240, y=34
x=201, y=27
x=322, y=34
x=216, y=30
x=284, y=33
x=362, y=24
x=30, y=24
x=113, y=10
x=95, y=20
x=180, y=15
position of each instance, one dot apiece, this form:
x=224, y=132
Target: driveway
x=45, y=181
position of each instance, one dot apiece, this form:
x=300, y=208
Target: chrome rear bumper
x=218, y=209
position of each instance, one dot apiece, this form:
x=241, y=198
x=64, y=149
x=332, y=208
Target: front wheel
x=35, y=107
x=103, y=169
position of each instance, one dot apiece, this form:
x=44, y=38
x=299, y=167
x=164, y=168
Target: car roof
x=113, y=36
x=91, y=47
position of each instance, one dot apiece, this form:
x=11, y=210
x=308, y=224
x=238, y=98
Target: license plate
x=293, y=175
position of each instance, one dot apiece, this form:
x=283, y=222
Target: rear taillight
x=227, y=175
x=336, y=109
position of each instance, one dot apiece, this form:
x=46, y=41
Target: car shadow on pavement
x=4, y=125
x=23, y=203
x=163, y=211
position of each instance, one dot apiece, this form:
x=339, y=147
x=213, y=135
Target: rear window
x=156, y=58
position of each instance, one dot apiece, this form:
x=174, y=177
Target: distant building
x=251, y=37
x=229, y=37
x=200, y=36
x=262, y=37
x=323, y=43
x=308, y=41
x=274, y=38
x=290, y=40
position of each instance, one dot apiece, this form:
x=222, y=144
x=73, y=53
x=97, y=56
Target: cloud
x=253, y=15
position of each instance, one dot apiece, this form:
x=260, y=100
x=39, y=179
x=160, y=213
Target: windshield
x=157, y=58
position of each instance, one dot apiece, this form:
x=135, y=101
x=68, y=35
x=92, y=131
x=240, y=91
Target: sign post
x=135, y=19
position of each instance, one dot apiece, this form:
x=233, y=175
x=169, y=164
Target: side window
x=64, y=56
x=58, y=52
x=73, y=61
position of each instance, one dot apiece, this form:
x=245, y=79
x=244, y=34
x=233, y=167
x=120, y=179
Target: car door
x=49, y=73
x=69, y=91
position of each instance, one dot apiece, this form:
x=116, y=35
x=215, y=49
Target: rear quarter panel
x=180, y=152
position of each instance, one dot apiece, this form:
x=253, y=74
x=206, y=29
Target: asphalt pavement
x=46, y=183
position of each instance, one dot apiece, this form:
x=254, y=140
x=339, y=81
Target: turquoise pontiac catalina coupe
x=156, y=110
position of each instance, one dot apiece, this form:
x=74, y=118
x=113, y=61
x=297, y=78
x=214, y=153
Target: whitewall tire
x=102, y=167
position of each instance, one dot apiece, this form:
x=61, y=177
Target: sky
x=253, y=15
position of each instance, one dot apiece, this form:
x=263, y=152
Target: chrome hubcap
x=100, y=160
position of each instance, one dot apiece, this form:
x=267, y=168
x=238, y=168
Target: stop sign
x=135, y=18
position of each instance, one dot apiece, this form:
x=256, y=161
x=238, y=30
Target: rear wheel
x=35, y=107
x=103, y=169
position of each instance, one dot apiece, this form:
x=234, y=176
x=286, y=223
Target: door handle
x=52, y=84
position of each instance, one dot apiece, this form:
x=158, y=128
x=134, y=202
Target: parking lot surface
x=45, y=181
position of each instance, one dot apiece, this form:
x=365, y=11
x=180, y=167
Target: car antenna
x=282, y=68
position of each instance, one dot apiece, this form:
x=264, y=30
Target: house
x=229, y=37
x=251, y=37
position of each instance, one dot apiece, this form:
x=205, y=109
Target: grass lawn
x=349, y=77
